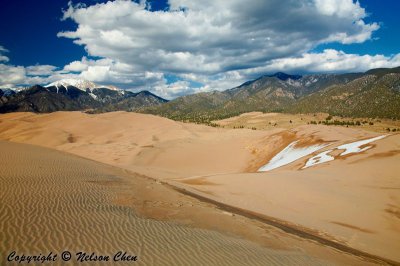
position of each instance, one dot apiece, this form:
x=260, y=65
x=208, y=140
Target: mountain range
x=73, y=95
x=375, y=93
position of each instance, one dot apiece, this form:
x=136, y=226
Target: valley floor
x=267, y=121
x=349, y=205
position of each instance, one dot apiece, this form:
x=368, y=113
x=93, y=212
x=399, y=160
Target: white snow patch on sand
x=289, y=155
x=322, y=157
x=354, y=147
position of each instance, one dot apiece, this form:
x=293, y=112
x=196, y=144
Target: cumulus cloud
x=341, y=8
x=40, y=70
x=16, y=76
x=210, y=37
x=103, y=71
x=11, y=75
x=330, y=61
x=108, y=71
x=76, y=66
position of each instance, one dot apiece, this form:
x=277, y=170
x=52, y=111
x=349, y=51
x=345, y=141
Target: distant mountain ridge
x=74, y=95
x=374, y=93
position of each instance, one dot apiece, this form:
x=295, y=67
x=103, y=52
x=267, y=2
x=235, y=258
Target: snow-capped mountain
x=98, y=92
x=80, y=84
x=75, y=94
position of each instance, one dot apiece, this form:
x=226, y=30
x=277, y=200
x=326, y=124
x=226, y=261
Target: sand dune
x=51, y=202
x=352, y=200
x=135, y=140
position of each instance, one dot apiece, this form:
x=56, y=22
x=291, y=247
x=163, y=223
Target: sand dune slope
x=159, y=146
x=135, y=140
x=51, y=202
x=353, y=200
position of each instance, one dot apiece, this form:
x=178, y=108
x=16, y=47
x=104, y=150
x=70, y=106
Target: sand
x=352, y=201
x=52, y=202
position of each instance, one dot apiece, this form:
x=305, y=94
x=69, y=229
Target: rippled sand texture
x=51, y=201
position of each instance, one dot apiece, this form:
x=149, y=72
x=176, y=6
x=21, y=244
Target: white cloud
x=340, y=8
x=222, y=81
x=10, y=75
x=104, y=71
x=107, y=71
x=360, y=37
x=329, y=61
x=210, y=37
x=76, y=66
x=173, y=90
x=3, y=58
x=40, y=70
x=97, y=73
x=14, y=76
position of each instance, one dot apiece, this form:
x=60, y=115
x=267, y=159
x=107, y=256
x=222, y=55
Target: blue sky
x=179, y=47
x=29, y=31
